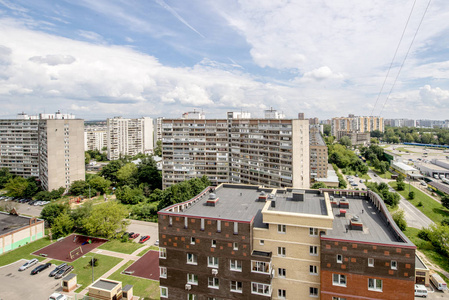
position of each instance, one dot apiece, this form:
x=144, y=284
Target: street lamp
x=92, y=264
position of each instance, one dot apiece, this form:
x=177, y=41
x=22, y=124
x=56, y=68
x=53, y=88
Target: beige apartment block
x=267, y=152
x=357, y=124
x=95, y=137
x=318, y=154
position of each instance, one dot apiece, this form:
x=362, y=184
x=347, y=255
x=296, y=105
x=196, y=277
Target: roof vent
x=298, y=195
x=273, y=203
x=212, y=196
x=263, y=196
x=213, y=199
x=356, y=223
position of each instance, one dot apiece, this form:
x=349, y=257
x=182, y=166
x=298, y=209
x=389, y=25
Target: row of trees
x=375, y=157
x=413, y=135
x=345, y=158
x=102, y=220
x=383, y=190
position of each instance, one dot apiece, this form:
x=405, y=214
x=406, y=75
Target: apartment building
x=95, y=137
x=157, y=124
x=318, y=154
x=129, y=136
x=356, y=124
x=269, y=152
x=250, y=242
x=48, y=146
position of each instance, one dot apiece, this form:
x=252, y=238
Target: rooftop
x=10, y=223
x=313, y=202
x=316, y=139
x=331, y=176
x=104, y=284
x=403, y=166
x=431, y=166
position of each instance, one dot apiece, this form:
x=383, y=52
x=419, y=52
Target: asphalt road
x=414, y=217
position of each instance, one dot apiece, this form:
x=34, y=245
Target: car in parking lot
x=53, y=273
x=40, y=268
x=64, y=271
x=144, y=238
x=133, y=235
x=354, y=184
x=28, y=264
x=156, y=243
x=57, y=296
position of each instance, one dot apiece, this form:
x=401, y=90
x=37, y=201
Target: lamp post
x=92, y=264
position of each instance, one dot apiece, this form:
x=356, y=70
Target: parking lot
x=144, y=228
x=22, y=285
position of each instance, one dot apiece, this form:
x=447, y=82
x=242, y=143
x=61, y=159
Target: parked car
x=420, y=290
x=40, y=268
x=156, y=243
x=134, y=235
x=57, y=296
x=130, y=234
x=144, y=238
x=53, y=273
x=354, y=184
x=64, y=271
x=28, y=264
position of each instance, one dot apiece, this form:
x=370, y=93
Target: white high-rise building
x=48, y=146
x=129, y=136
x=95, y=137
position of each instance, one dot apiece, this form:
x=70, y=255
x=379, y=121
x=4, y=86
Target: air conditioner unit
x=214, y=271
x=188, y=287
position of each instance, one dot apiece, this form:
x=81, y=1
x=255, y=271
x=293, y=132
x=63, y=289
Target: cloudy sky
x=326, y=58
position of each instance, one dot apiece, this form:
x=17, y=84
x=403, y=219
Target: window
x=282, y=228
x=162, y=253
x=218, y=226
x=374, y=284
x=313, y=292
x=212, y=262
x=235, y=246
x=339, y=258
x=213, y=243
x=164, y=292
x=191, y=297
x=394, y=265
x=339, y=279
x=313, y=231
x=370, y=262
x=338, y=298
x=192, y=279
x=212, y=282
x=236, y=227
x=170, y=221
x=281, y=272
x=282, y=293
x=313, y=250
x=313, y=270
x=260, y=266
x=192, y=241
x=261, y=242
x=236, y=265
x=202, y=224
x=281, y=251
x=192, y=259
x=236, y=286
x=162, y=272
x=186, y=222
x=260, y=289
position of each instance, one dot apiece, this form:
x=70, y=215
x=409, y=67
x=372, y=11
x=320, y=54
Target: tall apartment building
x=318, y=154
x=249, y=242
x=129, y=136
x=356, y=124
x=48, y=146
x=269, y=152
x=157, y=124
x=95, y=137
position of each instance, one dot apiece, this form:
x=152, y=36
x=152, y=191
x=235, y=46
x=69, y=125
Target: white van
x=420, y=291
x=438, y=282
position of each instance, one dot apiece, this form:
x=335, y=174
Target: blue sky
x=103, y=58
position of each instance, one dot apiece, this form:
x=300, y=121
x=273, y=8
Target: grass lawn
x=118, y=246
x=387, y=175
x=403, y=149
x=142, y=287
x=84, y=271
x=152, y=247
x=432, y=209
x=24, y=252
x=427, y=248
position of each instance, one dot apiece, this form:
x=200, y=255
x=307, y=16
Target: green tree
x=318, y=185
x=80, y=214
x=128, y=195
x=411, y=195
x=400, y=186
x=127, y=174
x=439, y=237
x=327, y=129
x=62, y=225
x=79, y=187
x=43, y=195
x=158, y=150
x=110, y=170
x=346, y=141
x=51, y=211
x=87, y=158
x=374, y=141
x=445, y=201
x=16, y=186
x=148, y=175
x=399, y=219
x=32, y=188
x=106, y=219
x=99, y=184
x=5, y=176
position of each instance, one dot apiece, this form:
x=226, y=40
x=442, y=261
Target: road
x=414, y=217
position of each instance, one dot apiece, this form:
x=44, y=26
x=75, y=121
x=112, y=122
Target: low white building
x=404, y=169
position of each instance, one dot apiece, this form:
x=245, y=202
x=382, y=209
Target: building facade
x=95, y=137
x=250, y=242
x=356, y=124
x=129, y=137
x=270, y=152
x=50, y=147
x=318, y=154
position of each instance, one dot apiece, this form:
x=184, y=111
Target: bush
x=95, y=262
x=424, y=234
x=400, y=186
x=411, y=195
x=445, y=222
x=420, y=204
x=399, y=219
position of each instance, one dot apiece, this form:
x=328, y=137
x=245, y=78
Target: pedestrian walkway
x=431, y=265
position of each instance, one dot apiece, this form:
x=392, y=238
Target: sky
x=159, y=58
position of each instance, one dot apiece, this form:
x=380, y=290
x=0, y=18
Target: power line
x=394, y=57
x=406, y=55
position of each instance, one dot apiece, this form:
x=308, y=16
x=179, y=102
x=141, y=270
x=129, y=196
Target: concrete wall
x=22, y=236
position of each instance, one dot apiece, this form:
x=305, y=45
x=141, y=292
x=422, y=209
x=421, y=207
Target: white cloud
x=53, y=60
x=435, y=97
x=322, y=74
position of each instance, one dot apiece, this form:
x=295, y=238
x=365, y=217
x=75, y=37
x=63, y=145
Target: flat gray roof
x=313, y=203
x=68, y=277
x=375, y=228
x=105, y=284
x=10, y=223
